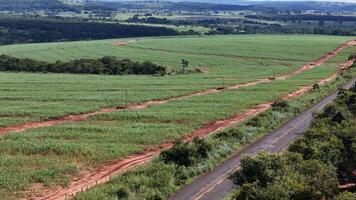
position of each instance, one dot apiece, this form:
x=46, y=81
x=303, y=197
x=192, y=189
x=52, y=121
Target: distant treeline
x=303, y=17
x=57, y=5
x=245, y=26
x=105, y=65
x=22, y=30
x=172, y=6
x=31, y=5
x=279, y=29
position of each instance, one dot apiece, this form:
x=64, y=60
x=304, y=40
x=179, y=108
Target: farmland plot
x=54, y=155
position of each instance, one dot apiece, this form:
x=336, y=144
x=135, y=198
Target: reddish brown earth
x=121, y=43
x=104, y=173
x=137, y=106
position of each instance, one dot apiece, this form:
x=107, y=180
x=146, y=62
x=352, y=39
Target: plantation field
x=225, y=60
x=243, y=55
x=49, y=155
x=33, y=97
x=160, y=178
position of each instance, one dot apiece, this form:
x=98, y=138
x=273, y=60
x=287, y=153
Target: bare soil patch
x=120, y=43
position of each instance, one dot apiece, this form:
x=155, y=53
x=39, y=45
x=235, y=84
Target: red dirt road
x=143, y=105
x=121, y=43
x=104, y=173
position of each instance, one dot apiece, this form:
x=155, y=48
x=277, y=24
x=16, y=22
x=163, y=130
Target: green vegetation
x=105, y=65
x=218, y=54
x=193, y=30
x=77, y=146
x=240, y=59
x=313, y=164
x=54, y=155
x=37, y=29
x=33, y=97
x=30, y=5
x=159, y=179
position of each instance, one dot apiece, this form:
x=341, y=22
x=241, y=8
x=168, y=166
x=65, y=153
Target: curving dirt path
x=143, y=105
x=104, y=173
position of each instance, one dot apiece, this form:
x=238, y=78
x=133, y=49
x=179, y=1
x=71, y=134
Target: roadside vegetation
x=319, y=165
x=167, y=173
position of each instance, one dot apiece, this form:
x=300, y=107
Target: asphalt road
x=215, y=184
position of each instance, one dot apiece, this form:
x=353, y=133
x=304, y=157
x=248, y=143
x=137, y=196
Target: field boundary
x=137, y=106
x=105, y=173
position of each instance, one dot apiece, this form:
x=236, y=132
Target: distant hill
x=20, y=5
x=234, y=1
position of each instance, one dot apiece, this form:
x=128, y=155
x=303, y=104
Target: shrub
x=280, y=104
x=231, y=133
x=123, y=193
x=186, y=154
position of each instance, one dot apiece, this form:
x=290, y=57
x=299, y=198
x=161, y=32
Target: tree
x=263, y=169
x=346, y=196
x=286, y=176
x=122, y=193
x=185, y=64
x=186, y=154
x=316, y=87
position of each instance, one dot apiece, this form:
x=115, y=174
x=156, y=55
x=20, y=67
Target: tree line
x=315, y=165
x=32, y=5
x=303, y=17
x=37, y=29
x=106, y=65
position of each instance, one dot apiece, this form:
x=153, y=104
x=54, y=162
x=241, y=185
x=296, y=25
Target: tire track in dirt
x=137, y=106
x=105, y=172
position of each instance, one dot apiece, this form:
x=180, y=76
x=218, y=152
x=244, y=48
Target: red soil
x=121, y=43
x=104, y=173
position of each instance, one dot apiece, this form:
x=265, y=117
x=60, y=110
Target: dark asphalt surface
x=215, y=184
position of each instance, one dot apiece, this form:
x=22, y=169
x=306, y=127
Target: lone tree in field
x=185, y=64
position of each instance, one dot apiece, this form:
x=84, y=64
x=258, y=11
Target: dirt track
x=103, y=173
x=137, y=106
